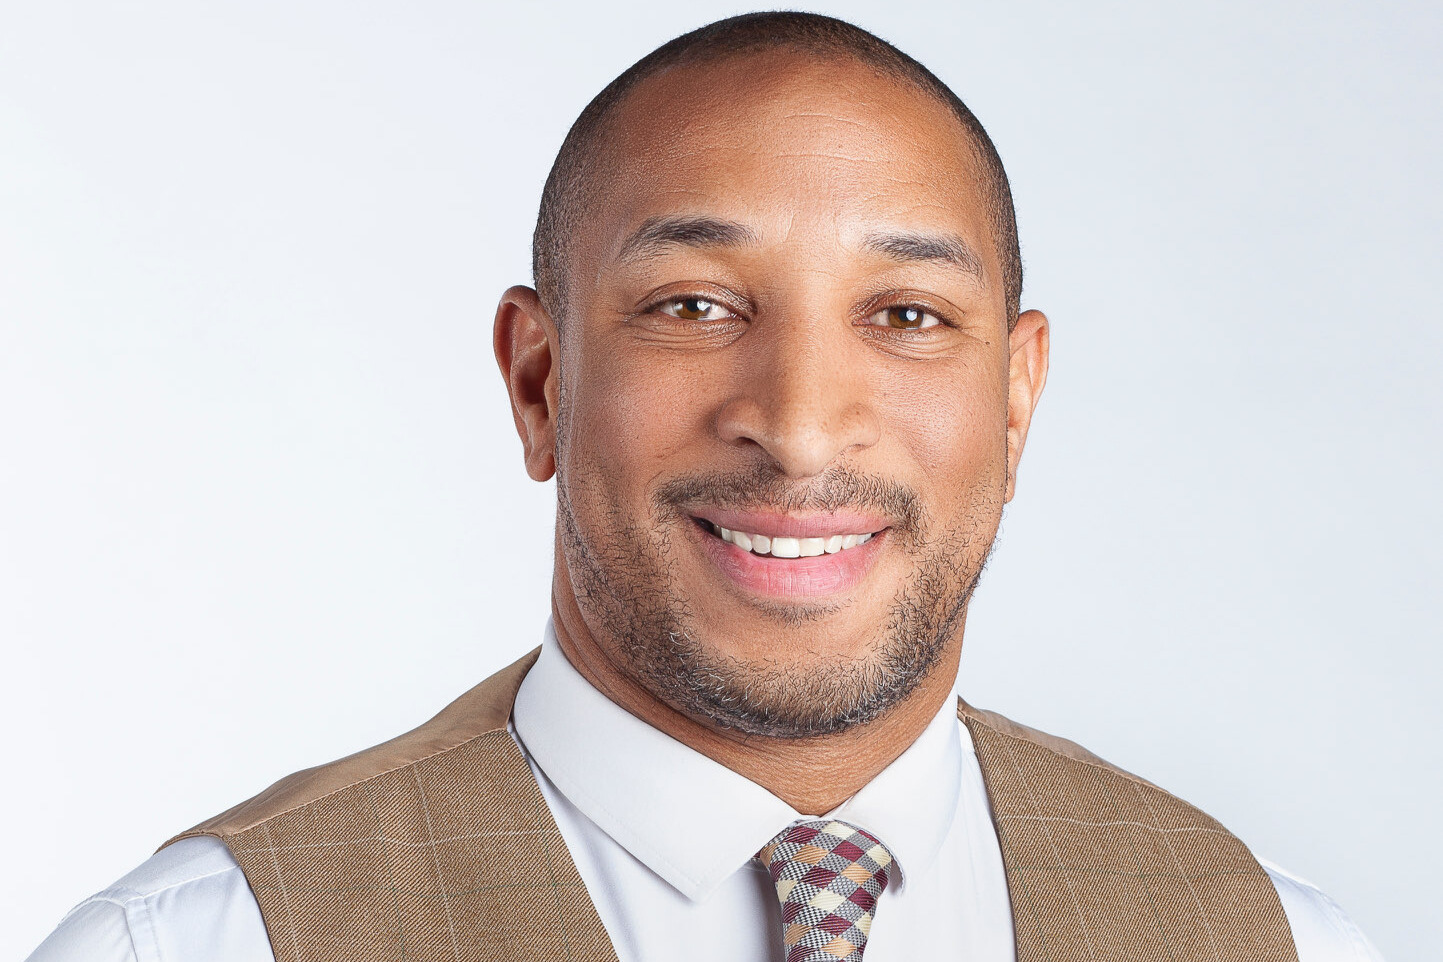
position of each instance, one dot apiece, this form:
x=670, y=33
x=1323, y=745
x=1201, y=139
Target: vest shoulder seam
x=270, y=816
x=253, y=812
x=1007, y=728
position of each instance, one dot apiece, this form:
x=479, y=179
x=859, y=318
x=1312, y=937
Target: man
x=776, y=361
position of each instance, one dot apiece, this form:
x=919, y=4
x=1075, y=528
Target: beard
x=633, y=604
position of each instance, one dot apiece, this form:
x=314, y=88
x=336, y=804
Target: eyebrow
x=916, y=246
x=657, y=234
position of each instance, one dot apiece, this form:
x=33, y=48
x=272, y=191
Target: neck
x=813, y=775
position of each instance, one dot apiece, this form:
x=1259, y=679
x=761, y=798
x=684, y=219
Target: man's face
x=782, y=438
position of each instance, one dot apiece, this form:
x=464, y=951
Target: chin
x=793, y=635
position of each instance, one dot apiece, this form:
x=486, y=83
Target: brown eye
x=903, y=317
x=693, y=309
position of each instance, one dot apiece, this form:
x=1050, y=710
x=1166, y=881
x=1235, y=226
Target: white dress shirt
x=663, y=837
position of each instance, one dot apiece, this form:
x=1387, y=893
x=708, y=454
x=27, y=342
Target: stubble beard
x=639, y=614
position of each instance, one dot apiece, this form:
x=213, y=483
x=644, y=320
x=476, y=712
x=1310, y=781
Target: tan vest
x=438, y=845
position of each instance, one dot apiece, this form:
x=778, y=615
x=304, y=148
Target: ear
x=526, y=347
x=1026, y=374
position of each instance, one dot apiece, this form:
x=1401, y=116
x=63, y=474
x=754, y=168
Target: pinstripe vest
x=439, y=845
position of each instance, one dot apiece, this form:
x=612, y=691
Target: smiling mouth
x=783, y=547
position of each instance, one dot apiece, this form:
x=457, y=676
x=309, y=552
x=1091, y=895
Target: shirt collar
x=909, y=806
x=650, y=793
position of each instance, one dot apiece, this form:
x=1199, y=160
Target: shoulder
x=482, y=711
x=1005, y=727
x=192, y=899
x=1321, y=930
x=189, y=901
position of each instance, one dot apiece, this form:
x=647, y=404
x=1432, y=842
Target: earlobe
x=525, y=342
x=1028, y=347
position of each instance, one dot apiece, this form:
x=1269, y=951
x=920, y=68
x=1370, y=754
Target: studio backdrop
x=262, y=503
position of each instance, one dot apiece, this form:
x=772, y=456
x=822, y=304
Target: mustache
x=766, y=488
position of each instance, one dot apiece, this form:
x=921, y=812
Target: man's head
x=576, y=180
x=778, y=316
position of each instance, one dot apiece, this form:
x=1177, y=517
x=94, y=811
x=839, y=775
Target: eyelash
x=920, y=309
x=656, y=308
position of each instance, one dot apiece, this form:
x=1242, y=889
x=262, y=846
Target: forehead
x=789, y=144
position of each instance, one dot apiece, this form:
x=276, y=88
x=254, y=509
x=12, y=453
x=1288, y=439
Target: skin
x=795, y=377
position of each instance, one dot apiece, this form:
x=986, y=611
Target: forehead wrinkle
x=832, y=118
x=827, y=155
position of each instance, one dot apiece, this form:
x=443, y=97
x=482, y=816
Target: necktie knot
x=829, y=876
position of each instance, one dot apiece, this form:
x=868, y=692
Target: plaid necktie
x=828, y=875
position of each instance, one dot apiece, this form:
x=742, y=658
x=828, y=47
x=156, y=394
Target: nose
x=801, y=400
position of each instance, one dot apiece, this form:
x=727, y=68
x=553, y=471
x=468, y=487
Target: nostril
x=801, y=435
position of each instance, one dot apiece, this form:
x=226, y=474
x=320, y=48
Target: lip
x=775, y=525
x=816, y=577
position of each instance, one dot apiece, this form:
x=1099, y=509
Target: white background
x=261, y=503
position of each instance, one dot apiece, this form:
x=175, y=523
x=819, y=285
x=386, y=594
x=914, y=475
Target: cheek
x=951, y=420
x=627, y=417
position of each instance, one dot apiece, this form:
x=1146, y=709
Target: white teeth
x=790, y=547
x=786, y=548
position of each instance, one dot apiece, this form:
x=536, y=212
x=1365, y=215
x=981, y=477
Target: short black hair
x=564, y=198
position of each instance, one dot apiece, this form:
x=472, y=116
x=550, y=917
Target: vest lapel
x=1102, y=865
